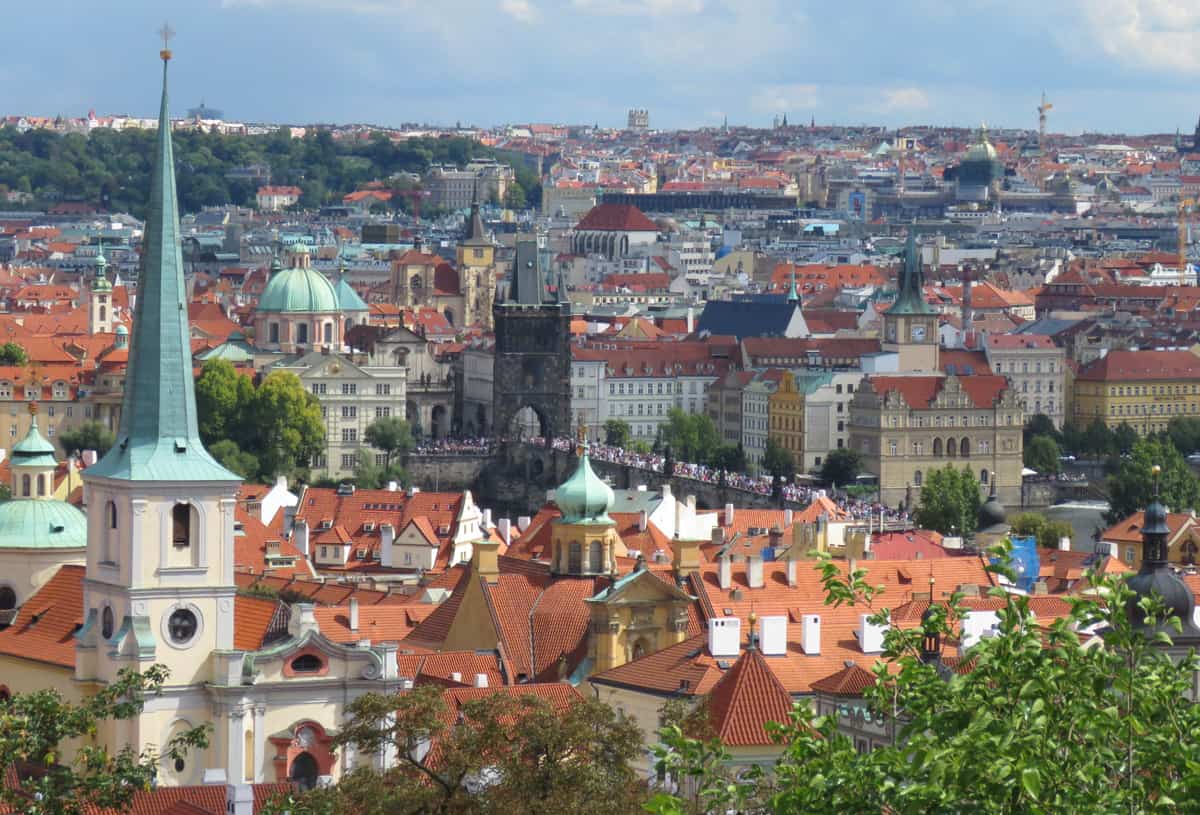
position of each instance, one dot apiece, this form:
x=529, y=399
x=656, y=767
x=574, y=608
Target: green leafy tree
x=370, y=475
x=1132, y=486
x=730, y=457
x=617, y=433
x=288, y=422
x=1040, y=424
x=1184, y=432
x=233, y=458
x=1041, y=454
x=13, y=354
x=514, y=196
x=1047, y=531
x=777, y=460
x=692, y=437
x=39, y=730
x=88, y=436
x=949, y=501
x=536, y=759
x=1098, y=439
x=841, y=466
x=224, y=400
x=390, y=435
x=1124, y=438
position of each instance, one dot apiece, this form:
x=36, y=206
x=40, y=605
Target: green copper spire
x=793, y=295
x=158, y=439
x=911, y=298
x=100, y=281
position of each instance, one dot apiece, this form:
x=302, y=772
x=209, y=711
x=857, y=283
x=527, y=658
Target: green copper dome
x=46, y=524
x=33, y=450
x=584, y=498
x=298, y=291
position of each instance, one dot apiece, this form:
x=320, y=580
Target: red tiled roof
x=1142, y=365
x=745, y=699
x=920, y=391
x=616, y=218
x=849, y=681
x=44, y=628
x=252, y=618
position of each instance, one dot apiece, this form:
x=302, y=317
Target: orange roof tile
x=745, y=699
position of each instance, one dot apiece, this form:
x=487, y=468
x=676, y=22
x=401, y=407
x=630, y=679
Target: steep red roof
x=920, y=391
x=849, y=681
x=745, y=699
x=616, y=218
x=44, y=628
x=1142, y=365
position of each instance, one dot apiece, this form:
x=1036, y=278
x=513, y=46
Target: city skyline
x=1120, y=66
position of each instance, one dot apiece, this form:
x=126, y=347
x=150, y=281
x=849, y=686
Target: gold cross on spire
x=167, y=33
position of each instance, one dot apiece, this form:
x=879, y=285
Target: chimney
x=718, y=535
x=481, y=680
x=772, y=635
x=523, y=522
x=485, y=560
x=353, y=613
x=89, y=458
x=754, y=571
x=642, y=519
x=810, y=633
x=1064, y=544
x=300, y=536
x=724, y=572
x=487, y=519
x=239, y=799
x=393, y=486
x=504, y=527
x=691, y=504
x=686, y=556
x=456, y=677
x=791, y=571
x=691, y=320
x=870, y=635
x=387, y=538
x=788, y=515
x=728, y=515
x=724, y=636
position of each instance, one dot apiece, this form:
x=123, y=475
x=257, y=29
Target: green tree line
x=112, y=168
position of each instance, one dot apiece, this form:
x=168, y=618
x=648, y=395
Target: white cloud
x=653, y=8
x=520, y=10
x=901, y=100
x=1158, y=35
x=784, y=98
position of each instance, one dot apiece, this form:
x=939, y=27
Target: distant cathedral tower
x=477, y=273
x=100, y=315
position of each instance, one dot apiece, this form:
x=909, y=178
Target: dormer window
x=307, y=664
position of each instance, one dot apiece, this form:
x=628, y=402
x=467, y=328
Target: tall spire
x=158, y=439
x=911, y=297
x=793, y=294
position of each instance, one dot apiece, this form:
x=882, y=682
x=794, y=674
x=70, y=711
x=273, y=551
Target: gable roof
x=745, y=699
x=616, y=218
x=742, y=318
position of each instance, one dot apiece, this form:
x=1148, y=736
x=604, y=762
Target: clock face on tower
x=918, y=333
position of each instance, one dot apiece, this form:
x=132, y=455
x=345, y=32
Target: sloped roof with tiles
x=44, y=628
x=747, y=697
x=849, y=681
x=1129, y=530
x=919, y=392
x=1142, y=365
x=616, y=218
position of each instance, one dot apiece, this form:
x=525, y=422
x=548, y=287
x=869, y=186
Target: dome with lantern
x=584, y=498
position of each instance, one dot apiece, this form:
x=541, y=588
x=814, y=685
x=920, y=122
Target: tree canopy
x=692, y=437
x=501, y=753
x=391, y=435
x=841, y=466
x=618, y=433
x=1042, y=454
x=12, y=353
x=38, y=731
x=1047, y=531
x=949, y=501
x=1035, y=720
x=1132, y=486
x=777, y=460
x=88, y=436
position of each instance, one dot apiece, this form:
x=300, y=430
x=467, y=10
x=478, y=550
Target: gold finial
x=581, y=435
x=166, y=32
x=33, y=408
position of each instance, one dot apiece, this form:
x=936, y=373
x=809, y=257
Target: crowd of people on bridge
x=445, y=446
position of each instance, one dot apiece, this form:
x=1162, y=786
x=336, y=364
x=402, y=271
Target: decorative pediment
x=369, y=661
x=638, y=588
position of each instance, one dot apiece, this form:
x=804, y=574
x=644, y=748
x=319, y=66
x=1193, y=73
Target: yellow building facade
x=1144, y=389
x=785, y=417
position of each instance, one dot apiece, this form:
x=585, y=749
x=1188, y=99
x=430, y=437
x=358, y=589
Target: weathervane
x=166, y=32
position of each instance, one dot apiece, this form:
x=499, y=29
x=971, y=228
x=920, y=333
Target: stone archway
x=304, y=771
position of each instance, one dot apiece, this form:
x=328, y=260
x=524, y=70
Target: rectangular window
x=382, y=412
x=383, y=389
x=70, y=411
x=349, y=461
x=349, y=434
x=349, y=412
x=349, y=388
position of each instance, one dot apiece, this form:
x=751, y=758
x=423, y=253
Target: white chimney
x=691, y=319
x=353, y=613
x=772, y=635
x=504, y=527
x=791, y=572
x=387, y=537
x=89, y=458
x=239, y=799
x=870, y=635
x=788, y=515
x=481, y=680
x=724, y=572
x=754, y=571
x=724, y=636
x=642, y=519
x=456, y=677
x=728, y=515
x=1064, y=544
x=393, y=486
x=487, y=519
x=691, y=505
x=810, y=633
x=976, y=625
x=523, y=522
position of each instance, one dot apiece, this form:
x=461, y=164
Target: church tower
x=100, y=316
x=910, y=325
x=159, y=585
x=477, y=273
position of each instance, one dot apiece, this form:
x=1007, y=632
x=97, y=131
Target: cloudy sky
x=1107, y=65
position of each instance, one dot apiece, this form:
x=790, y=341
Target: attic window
x=307, y=664
x=180, y=445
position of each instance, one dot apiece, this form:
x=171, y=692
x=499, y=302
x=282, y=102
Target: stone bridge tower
x=533, y=349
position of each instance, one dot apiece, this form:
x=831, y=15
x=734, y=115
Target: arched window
x=112, y=515
x=937, y=448
x=302, y=334
x=103, y=313
x=181, y=525
x=107, y=622
x=575, y=557
x=964, y=447
x=41, y=485
x=640, y=648
x=983, y=476
x=307, y=664
x=273, y=332
x=918, y=478
x=25, y=485
x=596, y=557
x=951, y=448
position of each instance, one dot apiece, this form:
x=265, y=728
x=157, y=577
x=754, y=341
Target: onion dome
x=33, y=450
x=298, y=290
x=992, y=512
x=1156, y=578
x=100, y=282
x=584, y=498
